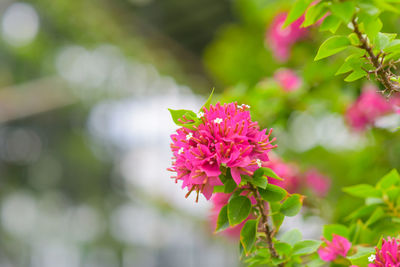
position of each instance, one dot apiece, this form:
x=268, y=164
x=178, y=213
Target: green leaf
x=291, y=237
x=238, y=209
x=361, y=256
x=248, y=235
x=222, y=221
x=272, y=193
x=292, y=205
x=229, y=183
x=314, y=13
x=377, y=215
x=331, y=46
x=356, y=75
x=337, y=229
x=330, y=23
x=390, y=179
x=208, y=102
x=353, y=62
x=361, y=212
x=383, y=40
x=297, y=10
x=277, y=217
x=270, y=173
x=283, y=249
x=259, y=179
x=306, y=247
x=372, y=26
x=343, y=10
x=363, y=191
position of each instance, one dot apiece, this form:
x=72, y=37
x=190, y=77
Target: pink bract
x=339, y=246
x=388, y=255
x=280, y=39
x=289, y=173
x=317, y=182
x=367, y=108
x=288, y=79
x=227, y=136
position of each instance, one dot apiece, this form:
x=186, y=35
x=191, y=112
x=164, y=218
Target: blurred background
x=84, y=126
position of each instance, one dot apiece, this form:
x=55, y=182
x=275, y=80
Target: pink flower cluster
x=288, y=80
x=317, y=182
x=388, y=255
x=339, y=246
x=368, y=107
x=280, y=39
x=219, y=200
x=227, y=136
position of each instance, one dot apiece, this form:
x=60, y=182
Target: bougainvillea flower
x=339, y=246
x=367, y=108
x=317, y=182
x=288, y=79
x=289, y=173
x=280, y=40
x=387, y=255
x=219, y=200
x=227, y=136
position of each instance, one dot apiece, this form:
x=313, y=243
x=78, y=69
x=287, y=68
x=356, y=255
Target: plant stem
x=383, y=74
x=264, y=222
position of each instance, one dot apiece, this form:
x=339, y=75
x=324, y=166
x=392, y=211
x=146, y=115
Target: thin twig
x=382, y=74
x=264, y=223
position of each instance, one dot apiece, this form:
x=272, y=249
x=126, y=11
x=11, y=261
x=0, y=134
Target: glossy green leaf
x=239, y=209
x=330, y=23
x=343, y=10
x=272, y=193
x=291, y=237
x=259, y=179
x=270, y=173
x=297, y=10
x=390, y=179
x=306, y=247
x=314, y=13
x=248, y=235
x=222, y=221
x=292, y=205
x=362, y=190
x=331, y=46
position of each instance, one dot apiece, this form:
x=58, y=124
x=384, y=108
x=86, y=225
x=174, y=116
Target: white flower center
x=244, y=106
x=259, y=164
x=372, y=258
x=200, y=115
x=218, y=120
x=188, y=136
x=180, y=151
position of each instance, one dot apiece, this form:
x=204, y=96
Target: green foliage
x=239, y=208
x=248, y=235
x=273, y=193
x=222, y=221
x=332, y=45
x=297, y=10
x=292, y=205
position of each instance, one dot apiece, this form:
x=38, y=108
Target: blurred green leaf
x=292, y=205
x=363, y=191
x=296, y=11
x=238, y=209
x=222, y=221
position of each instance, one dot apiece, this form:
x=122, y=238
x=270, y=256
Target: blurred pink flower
x=280, y=40
x=339, y=246
x=226, y=136
x=288, y=79
x=317, y=182
x=289, y=173
x=388, y=255
x=367, y=108
x=219, y=200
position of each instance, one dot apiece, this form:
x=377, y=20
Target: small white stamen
x=259, y=164
x=200, y=115
x=372, y=258
x=180, y=151
x=218, y=120
x=188, y=136
x=243, y=106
